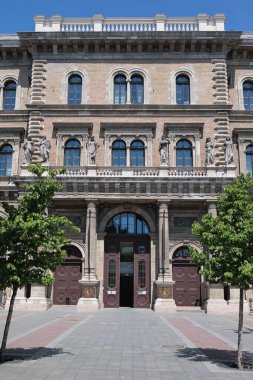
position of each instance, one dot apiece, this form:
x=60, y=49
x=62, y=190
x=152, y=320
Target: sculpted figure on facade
x=228, y=147
x=92, y=148
x=28, y=150
x=44, y=149
x=163, y=149
x=209, y=151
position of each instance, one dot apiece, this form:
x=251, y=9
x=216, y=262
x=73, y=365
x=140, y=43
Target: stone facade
x=168, y=196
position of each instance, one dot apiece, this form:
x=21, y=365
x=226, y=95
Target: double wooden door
x=186, y=289
x=67, y=289
x=127, y=272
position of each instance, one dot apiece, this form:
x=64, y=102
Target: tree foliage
x=31, y=240
x=227, y=239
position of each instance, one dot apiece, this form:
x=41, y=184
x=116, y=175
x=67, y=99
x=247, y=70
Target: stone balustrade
x=159, y=23
x=92, y=171
x=187, y=172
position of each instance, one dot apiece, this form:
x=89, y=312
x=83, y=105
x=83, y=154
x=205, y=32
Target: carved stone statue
x=163, y=149
x=209, y=151
x=92, y=147
x=28, y=150
x=44, y=149
x=228, y=147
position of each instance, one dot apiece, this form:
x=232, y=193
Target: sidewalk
x=123, y=344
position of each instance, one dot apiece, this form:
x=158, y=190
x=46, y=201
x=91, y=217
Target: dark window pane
x=75, y=90
x=248, y=96
x=184, y=153
x=9, y=95
x=119, y=153
x=142, y=274
x=72, y=153
x=112, y=274
x=249, y=159
x=120, y=90
x=127, y=222
x=182, y=89
x=137, y=90
x=5, y=160
x=137, y=153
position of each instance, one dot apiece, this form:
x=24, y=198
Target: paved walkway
x=123, y=344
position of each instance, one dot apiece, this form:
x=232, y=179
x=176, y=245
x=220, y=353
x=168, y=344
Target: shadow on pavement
x=215, y=356
x=14, y=354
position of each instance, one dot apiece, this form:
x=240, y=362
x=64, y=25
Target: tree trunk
x=7, y=324
x=240, y=328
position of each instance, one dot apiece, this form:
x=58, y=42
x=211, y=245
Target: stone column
x=164, y=284
x=89, y=281
x=215, y=302
x=1, y=97
x=128, y=92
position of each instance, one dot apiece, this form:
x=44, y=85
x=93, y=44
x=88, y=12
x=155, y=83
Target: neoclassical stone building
x=151, y=118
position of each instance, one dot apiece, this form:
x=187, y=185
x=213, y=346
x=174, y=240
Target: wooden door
x=67, y=289
x=142, y=280
x=187, y=285
x=111, y=279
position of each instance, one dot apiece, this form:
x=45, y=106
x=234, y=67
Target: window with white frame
x=128, y=144
x=9, y=95
x=6, y=152
x=184, y=144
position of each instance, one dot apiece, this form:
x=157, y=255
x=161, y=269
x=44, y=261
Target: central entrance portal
x=127, y=262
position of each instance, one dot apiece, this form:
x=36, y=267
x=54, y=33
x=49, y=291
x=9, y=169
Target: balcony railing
x=159, y=23
x=91, y=171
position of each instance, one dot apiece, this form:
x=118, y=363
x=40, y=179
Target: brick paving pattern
x=123, y=344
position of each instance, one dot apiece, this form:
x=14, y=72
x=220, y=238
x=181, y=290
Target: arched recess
x=128, y=74
x=247, y=77
x=85, y=84
x=127, y=258
x=193, y=85
x=10, y=78
x=187, y=286
x=67, y=289
x=107, y=215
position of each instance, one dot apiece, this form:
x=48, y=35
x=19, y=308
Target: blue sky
x=17, y=15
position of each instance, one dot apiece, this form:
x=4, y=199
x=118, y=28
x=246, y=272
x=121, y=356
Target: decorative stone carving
x=164, y=292
x=44, y=150
x=89, y=292
x=92, y=147
x=28, y=149
x=228, y=147
x=163, y=149
x=209, y=151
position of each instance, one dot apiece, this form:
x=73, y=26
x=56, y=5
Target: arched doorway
x=127, y=262
x=67, y=289
x=186, y=289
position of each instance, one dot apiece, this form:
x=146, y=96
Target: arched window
x=127, y=223
x=249, y=159
x=75, y=89
x=137, y=89
x=72, y=153
x=184, y=153
x=118, y=153
x=248, y=95
x=137, y=153
x=120, y=89
x=9, y=95
x=5, y=160
x=183, y=89
x=181, y=253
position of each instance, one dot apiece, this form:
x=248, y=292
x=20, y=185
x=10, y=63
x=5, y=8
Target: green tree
x=227, y=242
x=31, y=240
